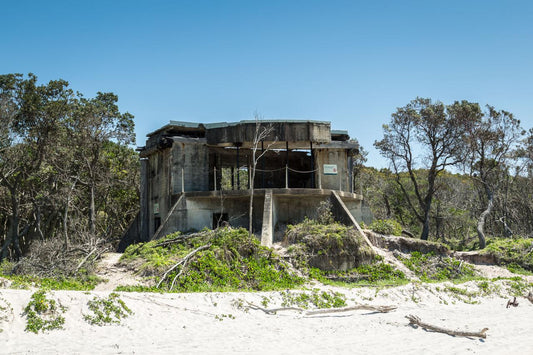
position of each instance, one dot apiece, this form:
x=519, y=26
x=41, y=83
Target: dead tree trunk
x=261, y=133
x=482, y=218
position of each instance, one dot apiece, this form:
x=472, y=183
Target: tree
x=30, y=116
x=261, y=133
x=95, y=122
x=65, y=166
x=491, y=140
x=424, y=135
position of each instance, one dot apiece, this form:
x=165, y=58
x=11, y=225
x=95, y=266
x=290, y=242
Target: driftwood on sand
x=414, y=320
x=272, y=311
x=366, y=307
x=512, y=303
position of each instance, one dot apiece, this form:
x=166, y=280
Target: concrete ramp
x=267, y=232
x=343, y=215
x=159, y=232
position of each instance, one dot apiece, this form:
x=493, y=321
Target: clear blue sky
x=348, y=62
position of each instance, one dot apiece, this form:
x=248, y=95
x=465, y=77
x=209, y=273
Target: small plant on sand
x=43, y=313
x=221, y=317
x=516, y=286
x=6, y=311
x=316, y=298
x=107, y=310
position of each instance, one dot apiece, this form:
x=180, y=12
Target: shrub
x=233, y=261
x=378, y=271
x=430, y=267
x=386, y=227
x=314, y=239
x=517, y=253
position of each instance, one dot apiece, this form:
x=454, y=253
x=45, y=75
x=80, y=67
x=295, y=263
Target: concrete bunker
x=196, y=175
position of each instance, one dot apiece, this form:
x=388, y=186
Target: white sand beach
x=213, y=323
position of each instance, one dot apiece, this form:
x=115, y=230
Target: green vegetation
x=107, y=310
x=377, y=273
x=81, y=283
x=43, y=313
x=462, y=294
x=5, y=311
x=316, y=298
x=311, y=239
x=516, y=286
x=430, y=267
x=386, y=227
x=516, y=254
x=231, y=261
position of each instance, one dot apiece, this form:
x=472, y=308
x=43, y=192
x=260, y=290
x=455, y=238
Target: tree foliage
x=424, y=135
x=424, y=143
x=67, y=173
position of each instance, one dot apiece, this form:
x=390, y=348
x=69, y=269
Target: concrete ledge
x=277, y=191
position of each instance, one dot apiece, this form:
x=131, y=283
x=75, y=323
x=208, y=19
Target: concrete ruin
x=196, y=175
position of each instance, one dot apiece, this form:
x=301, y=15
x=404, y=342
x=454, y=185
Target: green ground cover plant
x=515, y=253
x=53, y=283
x=376, y=273
x=316, y=298
x=108, y=310
x=43, y=313
x=430, y=267
x=231, y=260
x=312, y=243
x=6, y=311
x=386, y=227
x=83, y=280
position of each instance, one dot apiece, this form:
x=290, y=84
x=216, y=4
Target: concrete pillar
x=267, y=231
x=312, y=166
x=144, y=211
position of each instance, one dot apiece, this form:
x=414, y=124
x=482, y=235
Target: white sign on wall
x=156, y=208
x=330, y=169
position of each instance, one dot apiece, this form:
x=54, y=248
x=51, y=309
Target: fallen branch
x=381, y=309
x=272, y=310
x=178, y=239
x=512, y=303
x=182, y=261
x=85, y=259
x=530, y=296
x=414, y=320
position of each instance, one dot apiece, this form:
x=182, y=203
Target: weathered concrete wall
x=190, y=157
x=333, y=156
x=359, y=209
x=293, y=209
x=283, y=131
x=158, y=188
x=132, y=234
x=196, y=213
